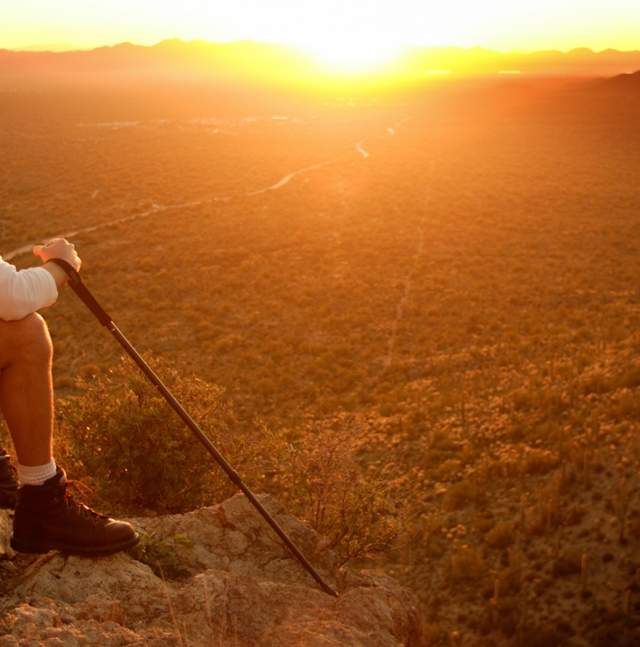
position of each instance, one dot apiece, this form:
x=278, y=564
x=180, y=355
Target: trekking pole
x=89, y=300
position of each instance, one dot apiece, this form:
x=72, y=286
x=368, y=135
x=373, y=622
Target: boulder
x=215, y=576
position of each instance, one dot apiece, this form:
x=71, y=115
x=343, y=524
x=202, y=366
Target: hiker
x=47, y=517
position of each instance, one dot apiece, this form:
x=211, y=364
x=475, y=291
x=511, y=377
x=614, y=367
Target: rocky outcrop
x=5, y=533
x=215, y=576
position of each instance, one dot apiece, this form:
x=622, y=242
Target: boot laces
x=77, y=507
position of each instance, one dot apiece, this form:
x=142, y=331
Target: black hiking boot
x=8, y=482
x=48, y=518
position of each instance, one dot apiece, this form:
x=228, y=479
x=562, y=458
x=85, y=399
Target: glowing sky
x=323, y=24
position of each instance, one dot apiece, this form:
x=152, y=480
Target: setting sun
x=353, y=55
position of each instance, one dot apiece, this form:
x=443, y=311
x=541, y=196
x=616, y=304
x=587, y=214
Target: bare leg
x=46, y=516
x=26, y=391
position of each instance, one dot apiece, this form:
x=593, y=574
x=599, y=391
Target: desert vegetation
x=430, y=354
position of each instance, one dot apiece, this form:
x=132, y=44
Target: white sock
x=37, y=474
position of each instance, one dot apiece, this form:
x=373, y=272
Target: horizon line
x=53, y=48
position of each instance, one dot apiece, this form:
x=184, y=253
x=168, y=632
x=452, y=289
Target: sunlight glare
x=349, y=55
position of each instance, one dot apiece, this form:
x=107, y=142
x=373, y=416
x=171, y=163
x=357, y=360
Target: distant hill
x=604, y=91
x=170, y=59
x=581, y=62
x=261, y=62
x=624, y=82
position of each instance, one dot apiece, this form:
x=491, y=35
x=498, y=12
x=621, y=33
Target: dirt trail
x=404, y=299
x=287, y=178
x=406, y=292
x=156, y=208
x=362, y=150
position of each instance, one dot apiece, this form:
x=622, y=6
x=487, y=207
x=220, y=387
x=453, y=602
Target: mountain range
x=248, y=60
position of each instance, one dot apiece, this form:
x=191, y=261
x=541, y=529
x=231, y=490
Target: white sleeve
x=25, y=291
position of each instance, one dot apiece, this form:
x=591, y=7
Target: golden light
x=354, y=36
x=351, y=55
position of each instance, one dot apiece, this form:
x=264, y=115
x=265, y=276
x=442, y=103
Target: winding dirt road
x=157, y=209
x=282, y=182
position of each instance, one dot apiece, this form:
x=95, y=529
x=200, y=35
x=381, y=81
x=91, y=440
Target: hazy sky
x=518, y=24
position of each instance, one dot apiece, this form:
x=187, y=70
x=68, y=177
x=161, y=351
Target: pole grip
x=83, y=292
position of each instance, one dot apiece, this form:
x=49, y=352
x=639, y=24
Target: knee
x=32, y=339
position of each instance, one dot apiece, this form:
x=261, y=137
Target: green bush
x=138, y=453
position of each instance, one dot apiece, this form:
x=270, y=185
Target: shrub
x=460, y=495
x=467, y=564
x=568, y=562
x=138, y=453
x=122, y=436
x=326, y=485
x=631, y=378
x=539, y=461
x=501, y=536
x=448, y=470
x=597, y=382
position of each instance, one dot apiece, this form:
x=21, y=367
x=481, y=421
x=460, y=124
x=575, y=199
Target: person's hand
x=59, y=248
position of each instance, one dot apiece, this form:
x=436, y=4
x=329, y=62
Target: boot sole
x=34, y=547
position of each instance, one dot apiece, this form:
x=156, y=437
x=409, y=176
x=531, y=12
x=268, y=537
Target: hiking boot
x=48, y=518
x=8, y=482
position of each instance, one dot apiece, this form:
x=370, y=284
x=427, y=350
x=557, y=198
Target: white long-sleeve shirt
x=25, y=291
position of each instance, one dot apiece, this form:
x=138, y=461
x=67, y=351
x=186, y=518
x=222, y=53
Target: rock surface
x=215, y=576
x=6, y=552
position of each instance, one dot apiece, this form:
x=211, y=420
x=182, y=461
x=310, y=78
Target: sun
x=354, y=55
